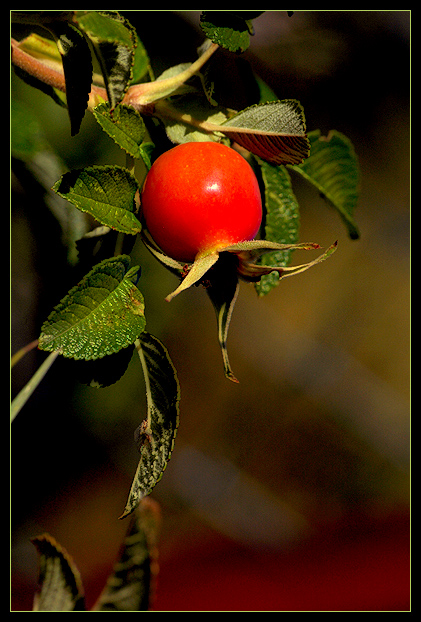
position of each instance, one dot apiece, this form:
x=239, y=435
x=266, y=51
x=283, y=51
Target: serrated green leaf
x=101, y=315
x=156, y=434
x=141, y=67
x=281, y=222
x=332, y=168
x=275, y=131
x=125, y=126
x=59, y=579
x=227, y=29
x=106, y=192
x=114, y=42
x=130, y=586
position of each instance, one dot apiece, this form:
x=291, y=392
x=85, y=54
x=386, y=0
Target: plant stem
x=149, y=400
x=23, y=396
x=140, y=96
x=21, y=353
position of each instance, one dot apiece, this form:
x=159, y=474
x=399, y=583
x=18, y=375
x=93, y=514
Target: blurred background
x=289, y=491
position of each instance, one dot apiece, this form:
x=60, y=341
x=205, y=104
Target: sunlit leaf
x=274, y=131
x=228, y=29
x=101, y=315
x=179, y=130
x=125, y=126
x=106, y=192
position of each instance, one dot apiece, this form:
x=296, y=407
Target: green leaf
x=125, y=126
x=156, y=434
x=101, y=315
x=198, y=108
x=281, y=223
x=142, y=66
x=77, y=68
x=274, y=131
x=114, y=41
x=106, y=192
x=59, y=579
x=228, y=29
x=332, y=168
x=130, y=587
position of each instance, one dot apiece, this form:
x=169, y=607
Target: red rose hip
x=199, y=198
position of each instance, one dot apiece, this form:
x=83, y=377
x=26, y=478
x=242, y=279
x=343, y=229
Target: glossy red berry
x=199, y=198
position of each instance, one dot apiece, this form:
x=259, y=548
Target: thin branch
x=20, y=353
x=149, y=92
x=37, y=68
x=140, y=96
x=24, y=395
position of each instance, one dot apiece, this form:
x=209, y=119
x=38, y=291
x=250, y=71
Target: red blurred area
x=359, y=565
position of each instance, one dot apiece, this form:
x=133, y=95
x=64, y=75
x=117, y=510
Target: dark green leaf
x=101, y=315
x=281, y=222
x=130, y=586
x=59, y=579
x=106, y=192
x=125, y=126
x=332, y=168
x=155, y=435
x=114, y=42
x=141, y=67
x=77, y=68
x=227, y=29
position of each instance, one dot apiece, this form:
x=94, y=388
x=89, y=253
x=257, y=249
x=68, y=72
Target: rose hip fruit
x=200, y=197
